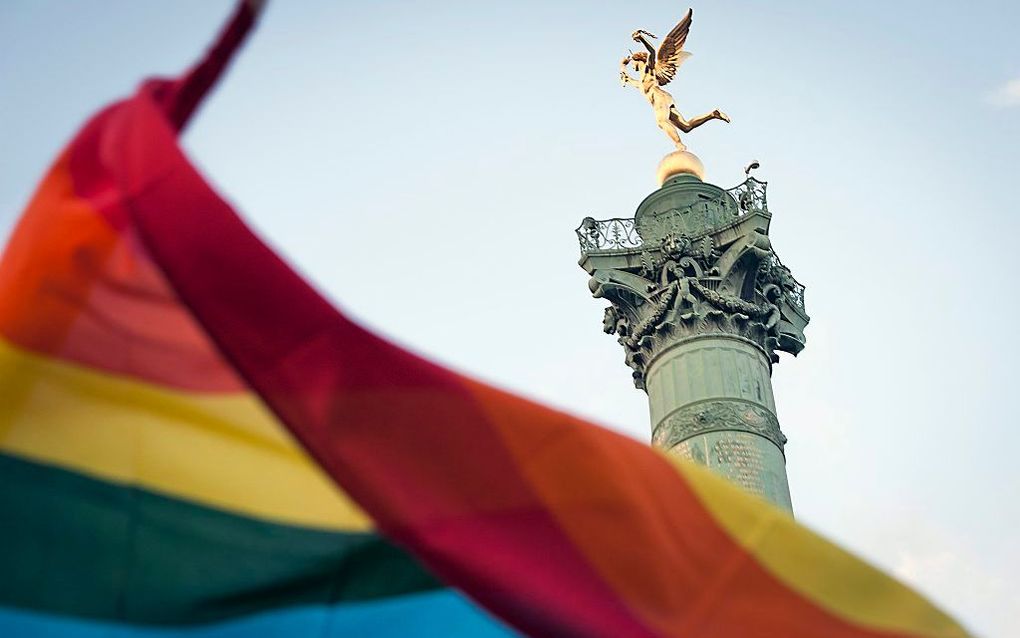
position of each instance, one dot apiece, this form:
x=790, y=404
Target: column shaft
x=710, y=399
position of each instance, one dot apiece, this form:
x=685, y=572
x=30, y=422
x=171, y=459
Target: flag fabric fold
x=193, y=441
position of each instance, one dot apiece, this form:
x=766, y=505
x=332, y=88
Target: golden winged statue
x=657, y=69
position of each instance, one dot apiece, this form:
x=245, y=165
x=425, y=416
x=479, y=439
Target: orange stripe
x=48, y=263
x=616, y=502
x=74, y=288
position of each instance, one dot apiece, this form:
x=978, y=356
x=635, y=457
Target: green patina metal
x=701, y=305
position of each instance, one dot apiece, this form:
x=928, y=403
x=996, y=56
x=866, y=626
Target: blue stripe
x=437, y=614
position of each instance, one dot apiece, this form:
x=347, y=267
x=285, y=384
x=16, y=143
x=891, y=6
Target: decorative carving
x=701, y=214
x=682, y=309
x=675, y=245
x=772, y=271
x=718, y=416
x=614, y=323
x=679, y=300
x=704, y=264
x=730, y=304
x=652, y=319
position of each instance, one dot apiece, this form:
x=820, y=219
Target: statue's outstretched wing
x=671, y=53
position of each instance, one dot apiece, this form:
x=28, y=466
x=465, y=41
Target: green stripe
x=79, y=546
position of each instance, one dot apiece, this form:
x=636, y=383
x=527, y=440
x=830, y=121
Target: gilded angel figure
x=656, y=69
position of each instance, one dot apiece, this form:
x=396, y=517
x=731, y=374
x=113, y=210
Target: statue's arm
x=624, y=76
x=639, y=37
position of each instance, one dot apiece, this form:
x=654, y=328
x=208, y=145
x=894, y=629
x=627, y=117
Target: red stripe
x=180, y=97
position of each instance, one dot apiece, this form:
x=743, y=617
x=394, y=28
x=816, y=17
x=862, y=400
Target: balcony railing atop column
x=621, y=233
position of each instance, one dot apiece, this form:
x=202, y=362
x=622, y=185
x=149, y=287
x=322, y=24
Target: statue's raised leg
x=689, y=125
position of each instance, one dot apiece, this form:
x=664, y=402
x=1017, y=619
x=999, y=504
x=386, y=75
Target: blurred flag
x=178, y=408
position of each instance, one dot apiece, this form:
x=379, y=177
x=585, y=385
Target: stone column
x=700, y=304
x=710, y=399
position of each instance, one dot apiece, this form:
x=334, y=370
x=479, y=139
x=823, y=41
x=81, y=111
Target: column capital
x=695, y=259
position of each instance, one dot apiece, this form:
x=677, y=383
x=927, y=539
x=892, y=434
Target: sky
x=425, y=165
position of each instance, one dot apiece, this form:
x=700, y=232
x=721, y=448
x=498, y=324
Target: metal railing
x=750, y=196
x=596, y=235
x=607, y=234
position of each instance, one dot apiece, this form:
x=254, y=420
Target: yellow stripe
x=225, y=450
x=815, y=568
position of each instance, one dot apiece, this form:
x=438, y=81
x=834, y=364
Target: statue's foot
x=721, y=116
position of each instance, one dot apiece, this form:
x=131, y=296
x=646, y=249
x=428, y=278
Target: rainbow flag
x=193, y=442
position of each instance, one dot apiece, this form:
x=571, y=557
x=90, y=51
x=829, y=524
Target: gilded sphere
x=680, y=162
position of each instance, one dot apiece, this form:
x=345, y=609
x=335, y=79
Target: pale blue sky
x=426, y=163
